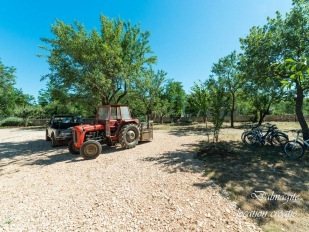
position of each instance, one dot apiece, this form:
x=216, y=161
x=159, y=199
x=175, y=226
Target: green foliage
x=137, y=107
x=291, y=65
x=13, y=121
x=176, y=97
x=286, y=107
x=26, y=113
x=218, y=104
x=93, y=65
x=228, y=73
x=148, y=89
x=7, y=81
x=265, y=47
x=198, y=100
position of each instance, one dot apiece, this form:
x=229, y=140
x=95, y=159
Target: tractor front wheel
x=74, y=150
x=90, y=149
x=129, y=136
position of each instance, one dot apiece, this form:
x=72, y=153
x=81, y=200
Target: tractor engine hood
x=89, y=127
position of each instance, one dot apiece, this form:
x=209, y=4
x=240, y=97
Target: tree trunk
x=232, y=109
x=299, y=113
x=263, y=114
x=103, y=101
x=205, y=120
x=255, y=117
x=261, y=117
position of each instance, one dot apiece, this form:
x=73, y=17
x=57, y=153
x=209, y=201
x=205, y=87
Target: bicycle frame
x=298, y=138
x=269, y=132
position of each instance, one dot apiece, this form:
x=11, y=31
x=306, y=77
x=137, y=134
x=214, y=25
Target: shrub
x=13, y=121
x=142, y=118
x=189, y=121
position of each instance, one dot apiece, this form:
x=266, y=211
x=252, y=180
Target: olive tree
x=101, y=64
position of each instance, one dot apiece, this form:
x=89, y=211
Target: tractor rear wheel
x=129, y=136
x=90, y=149
x=74, y=150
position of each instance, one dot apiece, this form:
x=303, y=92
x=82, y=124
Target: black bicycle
x=272, y=136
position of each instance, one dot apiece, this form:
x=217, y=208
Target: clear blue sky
x=188, y=36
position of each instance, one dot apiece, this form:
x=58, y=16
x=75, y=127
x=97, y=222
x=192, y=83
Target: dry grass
x=244, y=171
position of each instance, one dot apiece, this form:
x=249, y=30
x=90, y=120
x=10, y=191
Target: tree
x=101, y=65
x=162, y=107
x=27, y=112
x=218, y=106
x=55, y=100
x=262, y=95
x=176, y=97
x=148, y=88
x=229, y=75
x=285, y=107
x=198, y=100
x=293, y=65
x=265, y=46
x=7, y=82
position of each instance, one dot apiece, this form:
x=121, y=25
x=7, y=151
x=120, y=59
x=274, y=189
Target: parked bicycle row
x=256, y=136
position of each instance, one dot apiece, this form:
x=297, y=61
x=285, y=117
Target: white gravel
x=157, y=186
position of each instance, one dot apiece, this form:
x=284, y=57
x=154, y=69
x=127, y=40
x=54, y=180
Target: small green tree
x=162, y=109
x=198, y=100
x=219, y=105
x=176, y=97
x=7, y=82
x=148, y=89
x=229, y=75
x=27, y=112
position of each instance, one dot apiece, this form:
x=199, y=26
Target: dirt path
x=157, y=186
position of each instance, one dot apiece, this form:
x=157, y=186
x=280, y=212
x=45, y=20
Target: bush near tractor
x=59, y=128
x=113, y=124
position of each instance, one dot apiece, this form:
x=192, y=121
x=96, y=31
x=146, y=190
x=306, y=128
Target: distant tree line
x=116, y=65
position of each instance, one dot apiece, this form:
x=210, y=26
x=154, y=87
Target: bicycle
x=295, y=149
x=276, y=138
x=253, y=128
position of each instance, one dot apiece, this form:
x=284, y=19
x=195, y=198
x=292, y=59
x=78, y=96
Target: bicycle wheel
x=252, y=139
x=278, y=140
x=243, y=136
x=294, y=149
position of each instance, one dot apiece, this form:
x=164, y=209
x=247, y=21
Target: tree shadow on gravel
x=239, y=173
x=10, y=150
x=38, y=152
x=264, y=169
x=180, y=160
x=189, y=130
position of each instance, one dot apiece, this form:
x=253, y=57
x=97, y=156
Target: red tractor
x=113, y=124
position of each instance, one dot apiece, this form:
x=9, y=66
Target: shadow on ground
x=243, y=171
x=40, y=152
x=262, y=179
x=180, y=160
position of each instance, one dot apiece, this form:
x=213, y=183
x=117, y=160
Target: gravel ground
x=157, y=186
